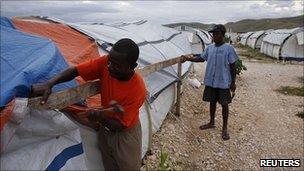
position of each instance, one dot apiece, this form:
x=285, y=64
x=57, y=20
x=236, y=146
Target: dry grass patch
x=250, y=53
x=288, y=90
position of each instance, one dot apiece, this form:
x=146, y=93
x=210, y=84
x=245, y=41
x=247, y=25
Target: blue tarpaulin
x=6, y=22
x=27, y=59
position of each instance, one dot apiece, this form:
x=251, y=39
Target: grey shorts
x=223, y=96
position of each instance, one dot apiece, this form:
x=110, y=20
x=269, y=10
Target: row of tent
x=285, y=44
x=34, y=49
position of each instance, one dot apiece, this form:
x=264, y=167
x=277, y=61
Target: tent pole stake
x=179, y=83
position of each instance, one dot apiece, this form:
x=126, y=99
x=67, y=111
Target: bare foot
x=207, y=126
x=225, y=135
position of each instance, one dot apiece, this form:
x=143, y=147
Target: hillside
x=194, y=25
x=253, y=25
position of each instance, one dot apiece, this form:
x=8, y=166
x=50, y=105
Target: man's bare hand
x=233, y=87
x=94, y=115
x=41, y=89
x=187, y=58
x=83, y=119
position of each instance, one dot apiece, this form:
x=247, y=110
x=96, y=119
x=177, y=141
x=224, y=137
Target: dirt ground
x=262, y=123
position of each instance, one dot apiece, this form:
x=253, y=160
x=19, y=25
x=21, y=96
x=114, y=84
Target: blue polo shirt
x=218, y=70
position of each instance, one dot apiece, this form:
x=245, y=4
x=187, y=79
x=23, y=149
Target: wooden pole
x=62, y=99
x=179, y=84
x=70, y=96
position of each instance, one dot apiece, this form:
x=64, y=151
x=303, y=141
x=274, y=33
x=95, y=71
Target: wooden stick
x=157, y=66
x=70, y=96
x=62, y=99
x=179, y=83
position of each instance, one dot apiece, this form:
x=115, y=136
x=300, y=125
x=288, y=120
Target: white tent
x=245, y=38
x=286, y=44
x=239, y=36
x=233, y=36
x=197, y=46
x=255, y=40
x=198, y=38
x=51, y=132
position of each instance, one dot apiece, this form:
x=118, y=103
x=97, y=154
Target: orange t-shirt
x=129, y=94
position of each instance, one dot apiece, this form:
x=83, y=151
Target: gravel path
x=262, y=123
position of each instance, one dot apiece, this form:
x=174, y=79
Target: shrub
x=240, y=67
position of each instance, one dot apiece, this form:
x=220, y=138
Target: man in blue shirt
x=219, y=77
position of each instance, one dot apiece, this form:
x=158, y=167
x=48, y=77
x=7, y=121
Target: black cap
x=218, y=28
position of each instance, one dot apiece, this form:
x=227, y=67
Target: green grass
x=163, y=164
x=301, y=79
x=300, y=114
x=295, y=91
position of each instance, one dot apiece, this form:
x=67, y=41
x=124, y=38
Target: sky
x=161, y=12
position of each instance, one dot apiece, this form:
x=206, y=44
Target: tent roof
x=246, y=35
x=204, y=35
x=257, y=34
x=278, y=36
x=156, y=43
x=73, y=45
x=27, y=59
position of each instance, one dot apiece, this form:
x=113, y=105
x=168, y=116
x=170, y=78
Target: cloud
x=285, y=3
x=162, y=12
x=70, y=11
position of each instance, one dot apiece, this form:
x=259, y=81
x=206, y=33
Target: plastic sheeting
x=300, y=38
x=156, y=43
x=204, y=35
x=245, y=38
x=44, y=140
x=54, y=138
x=291, y=50
x=6, y=22
x=197, y=45
x=25, y=60
x=74, y=46
x=255, y=40
x=157, y=111
x=233, y=36
x=283, y=44
x=278, y=36
x=276, y=39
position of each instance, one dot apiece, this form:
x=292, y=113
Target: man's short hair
x=128, y=47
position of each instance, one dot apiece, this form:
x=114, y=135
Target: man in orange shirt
x=120, y=133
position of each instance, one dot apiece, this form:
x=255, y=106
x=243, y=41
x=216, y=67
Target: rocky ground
x=262, y=123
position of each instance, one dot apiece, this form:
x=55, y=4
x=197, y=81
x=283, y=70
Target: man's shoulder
x=139, y=82
x=102, y=60
x=228, y=46
x=137, y=88
x=139, y=79
x=210, y=46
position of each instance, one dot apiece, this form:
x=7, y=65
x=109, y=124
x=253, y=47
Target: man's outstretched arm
x=45, y=89
x=193, y=58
